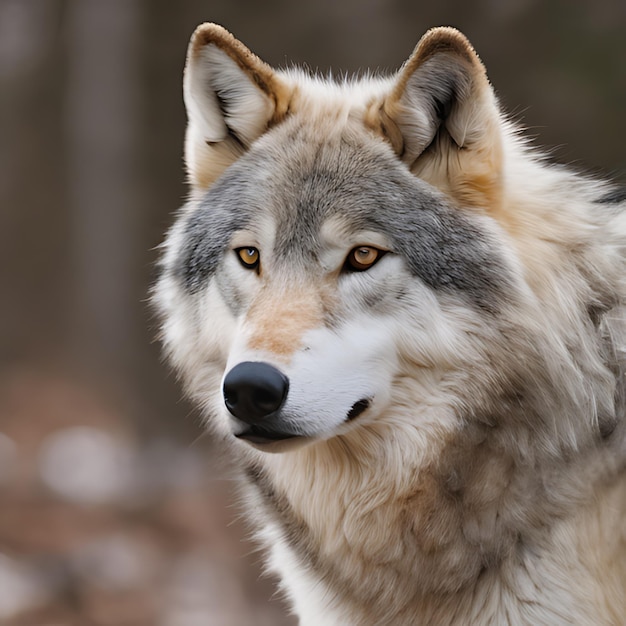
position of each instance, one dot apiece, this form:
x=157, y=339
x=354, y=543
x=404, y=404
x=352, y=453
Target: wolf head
x=344, y=260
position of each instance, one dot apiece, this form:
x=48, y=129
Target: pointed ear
x=231, y=97
x=442, y=118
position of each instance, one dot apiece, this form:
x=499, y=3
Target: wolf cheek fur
x=448, y=417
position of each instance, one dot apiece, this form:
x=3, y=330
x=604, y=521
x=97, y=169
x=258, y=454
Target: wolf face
x=295, y=277
x=344, y=242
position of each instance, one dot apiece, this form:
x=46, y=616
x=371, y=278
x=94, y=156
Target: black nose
x=254, y=390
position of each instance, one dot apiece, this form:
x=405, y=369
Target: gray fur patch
x=303, y=182
x=368, y=186
x=446, y=250
x=225, y=208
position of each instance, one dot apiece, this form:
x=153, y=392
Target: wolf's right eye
x=248, y=257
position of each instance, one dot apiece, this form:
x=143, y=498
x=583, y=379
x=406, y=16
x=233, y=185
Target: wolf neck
x=404, y=534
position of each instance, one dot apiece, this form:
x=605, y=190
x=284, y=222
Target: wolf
x=408, y=329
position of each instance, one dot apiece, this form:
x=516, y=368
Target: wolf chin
x=409, y=330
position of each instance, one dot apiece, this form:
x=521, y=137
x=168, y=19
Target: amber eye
x=249, y=257
x=362, y=258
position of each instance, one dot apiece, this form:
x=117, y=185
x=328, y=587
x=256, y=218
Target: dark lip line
x=258, y=437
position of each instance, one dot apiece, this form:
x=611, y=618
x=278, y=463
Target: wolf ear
x=442, y=119
x=231, y=97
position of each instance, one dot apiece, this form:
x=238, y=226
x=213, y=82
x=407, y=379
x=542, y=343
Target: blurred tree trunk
x=102, y=122
x=33, y=256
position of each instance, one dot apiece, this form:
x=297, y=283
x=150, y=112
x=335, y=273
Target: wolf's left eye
x=362, y=258
x=248, y=257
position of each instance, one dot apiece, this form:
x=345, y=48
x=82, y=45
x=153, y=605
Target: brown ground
x=98, y=530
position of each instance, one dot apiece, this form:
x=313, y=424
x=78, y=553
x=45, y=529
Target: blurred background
x=114, y=508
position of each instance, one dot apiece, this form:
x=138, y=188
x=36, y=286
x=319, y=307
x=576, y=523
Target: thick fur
x=458, y=409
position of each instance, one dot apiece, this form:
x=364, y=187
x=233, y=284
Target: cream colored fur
x=421, y=514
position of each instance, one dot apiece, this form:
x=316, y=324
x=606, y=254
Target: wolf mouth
x=260, y=435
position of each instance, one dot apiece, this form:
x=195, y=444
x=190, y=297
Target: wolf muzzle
x=255, y=394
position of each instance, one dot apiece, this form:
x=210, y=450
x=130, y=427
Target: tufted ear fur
x=442, y=118
x=231, y=97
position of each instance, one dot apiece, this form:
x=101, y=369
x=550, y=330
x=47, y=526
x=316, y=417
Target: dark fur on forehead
x=442, y=244
x=313, y=180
